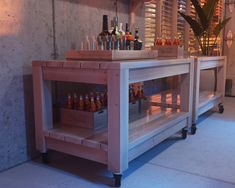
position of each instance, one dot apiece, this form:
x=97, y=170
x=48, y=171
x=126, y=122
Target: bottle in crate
x=75, y=101
x=87, y=103
x=81, y=103
x=69, y=102
x=98, y=103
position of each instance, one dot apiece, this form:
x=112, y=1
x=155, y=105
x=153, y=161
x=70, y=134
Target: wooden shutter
x=167, y=18
x=150, y=23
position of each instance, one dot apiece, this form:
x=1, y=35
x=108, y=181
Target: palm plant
x=202, y=27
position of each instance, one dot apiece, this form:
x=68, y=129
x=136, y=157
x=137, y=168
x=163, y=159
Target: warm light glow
x=10, y=17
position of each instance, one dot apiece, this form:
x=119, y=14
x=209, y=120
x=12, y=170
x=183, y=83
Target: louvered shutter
x=150, y=23
x=166, y=18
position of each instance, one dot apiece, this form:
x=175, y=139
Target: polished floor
x=205, y=160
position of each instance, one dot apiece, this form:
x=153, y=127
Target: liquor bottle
x=131, y=94
x=159, y=41
x=87, y=44
x=139, y=94
x=81, y=103
x=116, y=34
x=92, y=105
x=75, y=101
x=131, y=39
x=69, y=102
x=110, y=42
x=122, y=37
x=137, y=42
x=87, y=103
x=142, y=92
x=121, y=31
x=127, y=35
x=93, y=43
x=98, y=103
x=102, y=38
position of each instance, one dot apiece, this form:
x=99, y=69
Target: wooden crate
x=112, y=55
x=169, y=51
x=84, y=119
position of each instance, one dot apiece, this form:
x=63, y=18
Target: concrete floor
x=205, y=160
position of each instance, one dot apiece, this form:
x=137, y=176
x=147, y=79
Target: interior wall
x=229, y=52
x=26, y=34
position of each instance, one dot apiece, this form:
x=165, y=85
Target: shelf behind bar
x=207, y=96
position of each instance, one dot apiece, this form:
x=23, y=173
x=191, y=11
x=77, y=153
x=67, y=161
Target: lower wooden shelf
x=82, y=136
x=207, y=100
x=143, y=127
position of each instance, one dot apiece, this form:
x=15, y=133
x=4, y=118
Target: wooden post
x=197, y=73
x=187, y=92
x=42, y=107
x=118, y=115
x=221, y=75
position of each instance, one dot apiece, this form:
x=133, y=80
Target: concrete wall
x=25, y=35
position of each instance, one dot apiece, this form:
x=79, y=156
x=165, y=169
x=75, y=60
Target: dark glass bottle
x=137, y=42
x=103, y=36
x=129, y=39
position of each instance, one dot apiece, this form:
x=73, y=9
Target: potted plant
x=202, y=26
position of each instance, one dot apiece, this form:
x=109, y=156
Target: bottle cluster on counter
x=136, y=93
x=92, y=102
x=114, y=39
x=167, y=41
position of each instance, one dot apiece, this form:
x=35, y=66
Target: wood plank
x=111, y=55
x=211, y=64
x=76, y=135
x=75, y=75
x=96, y=140
x=77, y=150
x=138, y=75
x=118, y=89
x=38, y=63
x=196, y=90
x=42, y=107
x=139, y=149
x=72, y=64
x=221, y=74
x=147, y=130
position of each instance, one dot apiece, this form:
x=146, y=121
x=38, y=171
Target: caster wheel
x=184, y=133
x=117, y=179
x=221, y=108
x=193, y=129
x=45, y=158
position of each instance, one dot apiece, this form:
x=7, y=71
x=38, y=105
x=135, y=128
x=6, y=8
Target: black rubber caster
x=117, y=180
x=221, y=108
x=184, y=133
x=193, y=129
x=45, y=158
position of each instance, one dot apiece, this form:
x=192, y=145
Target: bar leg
x=45, y=158
x=184, y=133
x=117, y=179
x=193, y=129
x=221, y=108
